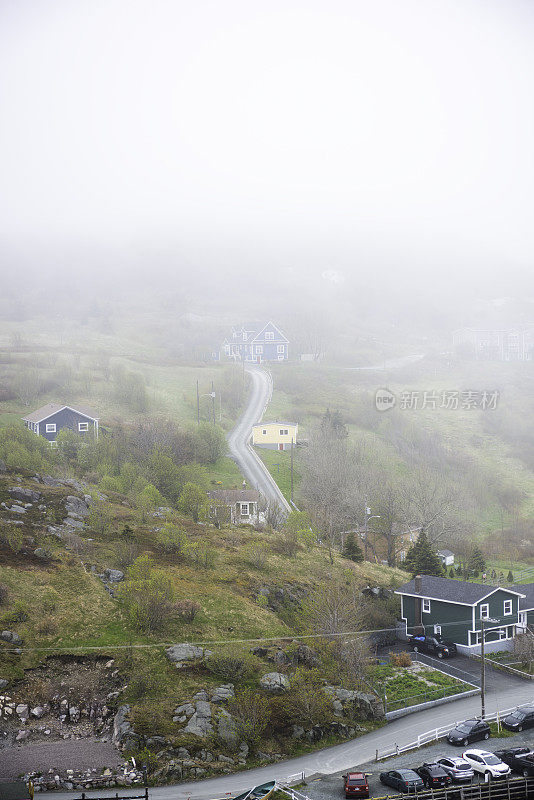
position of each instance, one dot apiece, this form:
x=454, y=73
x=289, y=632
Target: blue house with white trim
x=254, y=344
x=49, y=420
x=454, y=609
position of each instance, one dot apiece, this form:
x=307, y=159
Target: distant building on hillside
x=275, y=435
x=254, y=344
x=515, y=343
x=447, y=557
x=49, y=420
x=241, y=505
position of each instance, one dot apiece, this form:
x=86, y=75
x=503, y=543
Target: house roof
x=280, y=338
x=274, y=422
x=52, y=408
x=527, y=602
x=235, y=495
x=445, y=553
x=461, y=592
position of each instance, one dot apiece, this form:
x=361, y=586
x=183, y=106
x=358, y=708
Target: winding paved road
x=251, y=466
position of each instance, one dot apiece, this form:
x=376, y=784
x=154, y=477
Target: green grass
x=405, y=688
x=278, y=462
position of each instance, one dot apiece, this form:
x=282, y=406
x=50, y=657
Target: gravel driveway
x=76, y=754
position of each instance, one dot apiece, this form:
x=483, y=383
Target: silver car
x=458, y=768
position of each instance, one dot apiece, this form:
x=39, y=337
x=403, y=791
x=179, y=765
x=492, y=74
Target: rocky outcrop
x=124, y=736
x=76, y=507
x=200, y=722
x=226, y=729
x=113, y=575
x=183, y=653
x=25, y=495
x=11, y=637
x=275, y=682
x=223, y=693
x=367, y=705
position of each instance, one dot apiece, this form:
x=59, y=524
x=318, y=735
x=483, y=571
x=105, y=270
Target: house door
x=281, y=446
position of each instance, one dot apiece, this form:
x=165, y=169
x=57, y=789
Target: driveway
x=251, y=466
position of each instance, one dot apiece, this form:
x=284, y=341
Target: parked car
x=520, y=759
x=405, y=780
x=434, y=645
x=472, y=730
x=521, y=718
x=356, y=784
x=433, y=775
x=487, y=764
x=458, y=768
x=16, y=790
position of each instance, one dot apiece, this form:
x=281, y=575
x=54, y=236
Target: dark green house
x=455, y=609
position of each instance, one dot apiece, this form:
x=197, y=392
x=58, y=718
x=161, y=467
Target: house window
x=264, y=431
x=50, y=427
x=53, y=443
x=83, y=426
x=507, y=607
x=437, y=630
x=269, y=335
x=244, y=509
x=280, y=358
x=426, y=606
x=244, y=336
x=259, y=348
x=284, y=432
x=280, y=348
x=484, y=611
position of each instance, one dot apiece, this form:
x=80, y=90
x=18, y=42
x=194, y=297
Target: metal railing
x=424, y=697
x=448, y=669
x=502, y=789
x=435, y=735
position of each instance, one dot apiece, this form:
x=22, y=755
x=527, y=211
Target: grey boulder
x=178, y=653
x=11, y=637
x=275, y=682
x=25, y=495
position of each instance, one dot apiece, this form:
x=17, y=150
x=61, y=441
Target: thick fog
x=386, y=138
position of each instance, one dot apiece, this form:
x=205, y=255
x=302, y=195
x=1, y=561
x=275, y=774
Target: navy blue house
x=49, y=420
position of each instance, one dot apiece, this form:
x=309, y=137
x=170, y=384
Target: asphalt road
x=246, y=459
x=503, y=692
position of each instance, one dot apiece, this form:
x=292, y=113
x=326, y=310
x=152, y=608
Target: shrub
x=251, y=713
x=229, y=667
x=147, y=596
x=48, y=627
x=19, y=613
x=4, y=594
x=286, y=544
x=203, y=556
x=255, y=556
x=187, y=609
x=125, y=554
x=173, y=541
x=402, y=659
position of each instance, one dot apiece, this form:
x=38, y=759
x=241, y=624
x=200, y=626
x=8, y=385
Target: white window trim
x=247, y=512
x=508, y=604
x=269, y=336
x=484, y=611
x=50, y=427
x=264, y=432
x=284, y=432
x=437, y=630
x=259, y=348
x=280, y=348
x=426, y=605
x=85, y=428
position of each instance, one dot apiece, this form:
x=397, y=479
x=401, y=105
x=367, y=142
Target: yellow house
x=274, y=435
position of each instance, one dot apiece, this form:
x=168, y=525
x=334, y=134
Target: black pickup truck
x=434, y=645
x=520, y=759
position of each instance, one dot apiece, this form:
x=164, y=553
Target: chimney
x=418, y=584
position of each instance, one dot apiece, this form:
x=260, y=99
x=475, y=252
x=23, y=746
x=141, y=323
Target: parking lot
x=331, y=786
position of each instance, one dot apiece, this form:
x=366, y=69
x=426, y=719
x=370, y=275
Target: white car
x=486, y=763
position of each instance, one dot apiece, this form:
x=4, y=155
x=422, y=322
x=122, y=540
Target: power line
x=215, y=642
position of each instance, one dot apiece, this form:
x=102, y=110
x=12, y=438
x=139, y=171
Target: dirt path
x=76, y=754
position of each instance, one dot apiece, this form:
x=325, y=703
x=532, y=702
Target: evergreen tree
x=452, y=573
x=477, y=562
x=510, y=577
x=352, y=549
x=421, y=558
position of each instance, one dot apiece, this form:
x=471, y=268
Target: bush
x=252, y=714
x=19, y=613
x=187, y=609
x=255, y=556
x=4, y=594
x=402, y=659
x=48, y=627
x=147, y=596
x=173, y=541
x=286, y=544
x=229, y=667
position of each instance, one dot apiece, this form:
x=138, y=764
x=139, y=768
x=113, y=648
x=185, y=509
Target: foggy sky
x=340, y=134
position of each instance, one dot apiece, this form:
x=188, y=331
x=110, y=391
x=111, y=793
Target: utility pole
x=198, y=406
x=291, y=495
x=483, y=621
x=213, y=401
x=482, y=672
